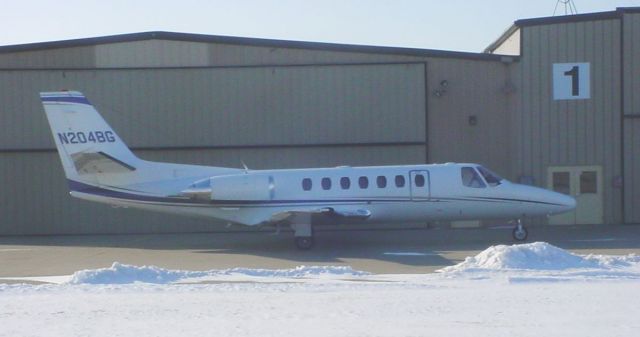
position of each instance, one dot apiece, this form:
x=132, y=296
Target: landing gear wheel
x=304, y=242
x=520, y=233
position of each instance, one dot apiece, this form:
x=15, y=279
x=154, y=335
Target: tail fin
x=87, y=145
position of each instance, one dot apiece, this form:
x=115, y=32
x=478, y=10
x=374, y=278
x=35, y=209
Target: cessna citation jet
x=100, y=167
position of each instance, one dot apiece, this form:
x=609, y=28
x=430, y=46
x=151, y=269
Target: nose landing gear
x=520, y=232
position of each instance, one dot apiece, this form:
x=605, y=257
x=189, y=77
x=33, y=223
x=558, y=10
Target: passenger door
x=584, y=183
x=420, y=185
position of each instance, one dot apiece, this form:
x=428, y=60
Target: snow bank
x=539, y=256
x=120, y=273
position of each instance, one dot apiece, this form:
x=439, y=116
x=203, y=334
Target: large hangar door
x=317, y=105
x=268, y=117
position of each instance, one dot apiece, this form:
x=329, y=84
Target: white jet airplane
x=100, y=167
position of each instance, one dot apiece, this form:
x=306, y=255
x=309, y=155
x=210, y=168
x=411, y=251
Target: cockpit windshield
x=471, y=178
x=491, y=178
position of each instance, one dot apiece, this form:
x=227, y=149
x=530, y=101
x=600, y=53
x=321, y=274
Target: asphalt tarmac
x=378, y=251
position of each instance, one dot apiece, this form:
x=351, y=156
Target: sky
x=459, y=25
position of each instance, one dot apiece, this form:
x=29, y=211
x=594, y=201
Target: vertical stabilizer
x=87, y=145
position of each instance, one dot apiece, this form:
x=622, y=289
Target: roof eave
x=259, y=42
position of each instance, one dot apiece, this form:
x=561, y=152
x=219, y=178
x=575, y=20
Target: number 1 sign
x=571, y=81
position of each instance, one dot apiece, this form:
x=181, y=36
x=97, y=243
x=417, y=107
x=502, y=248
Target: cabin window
x=419, y=180
x=381, y=181
x=363, y=182
x=326, y=183
x=471, y=178
x=306, y=184
x=491, y=178
x=345, y=183
x=400, y=181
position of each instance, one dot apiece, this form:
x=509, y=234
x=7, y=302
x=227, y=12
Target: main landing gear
x=303, y=233
x=520, y=232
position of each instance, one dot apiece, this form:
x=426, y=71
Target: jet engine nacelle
x=242, y=187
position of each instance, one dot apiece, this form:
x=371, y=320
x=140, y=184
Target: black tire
x=304, y=242
x=520, y=235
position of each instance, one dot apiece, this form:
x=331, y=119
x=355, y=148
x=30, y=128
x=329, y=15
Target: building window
x=471, y=178
x=381, y=181
x=400, y=181
x=561, y=182
x=345, y=183
x=588, y=182
x=306, y=184
x=326, y=183
x=363, y=182
x=419, y=180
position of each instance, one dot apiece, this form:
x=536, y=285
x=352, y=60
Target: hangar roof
x=616, y=14
x=577, y=17
x=173, y=36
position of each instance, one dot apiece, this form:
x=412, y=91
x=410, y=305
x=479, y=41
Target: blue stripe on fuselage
x=66, y=99
x=126, y=196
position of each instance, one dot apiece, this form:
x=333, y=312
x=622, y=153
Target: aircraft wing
x=348, y=213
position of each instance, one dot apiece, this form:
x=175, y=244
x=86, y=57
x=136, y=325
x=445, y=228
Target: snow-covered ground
x=522, y=290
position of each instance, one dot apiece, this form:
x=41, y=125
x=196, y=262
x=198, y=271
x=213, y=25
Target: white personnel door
x=584, y=183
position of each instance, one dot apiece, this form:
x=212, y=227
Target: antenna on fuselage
x=246, y=168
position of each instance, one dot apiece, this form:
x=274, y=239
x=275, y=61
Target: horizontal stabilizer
x=99, y=162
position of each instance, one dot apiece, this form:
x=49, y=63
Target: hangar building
x=551, y=103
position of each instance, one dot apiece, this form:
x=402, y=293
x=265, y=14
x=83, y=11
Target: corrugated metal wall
x=163, y=53
x=631, y=36
x=632, y=170
x=472, y=90
x=230, y=106
x=569, y=132
x=76, y=57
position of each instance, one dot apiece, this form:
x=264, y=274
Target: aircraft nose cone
x=566, y=203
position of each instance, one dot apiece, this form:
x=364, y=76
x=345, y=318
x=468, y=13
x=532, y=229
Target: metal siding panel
x=22, y=110
x=556, y=120
x=571, y=133
x=570, y=40
x=152, y=53
x=233, y=55
x=76, y=57
x=474, y=88
x=632, y=171
x=533, y=74
x=631, y=35
x=238, y=106
x=535, y=108
x=629, y=164
x=613, y=197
